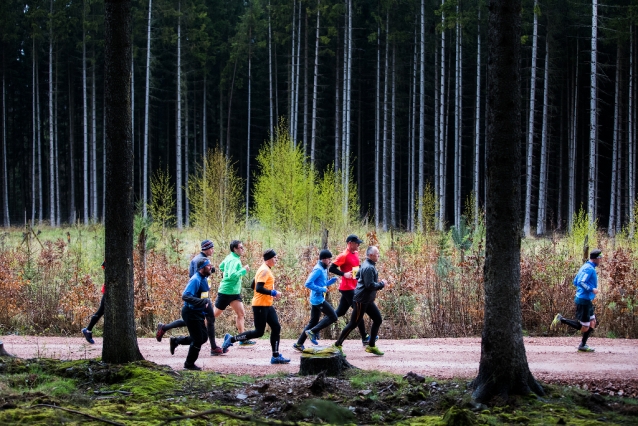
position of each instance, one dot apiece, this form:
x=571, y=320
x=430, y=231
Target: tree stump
x=3, y=352
x=328, y=359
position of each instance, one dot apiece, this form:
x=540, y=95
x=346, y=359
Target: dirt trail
x=613, y=366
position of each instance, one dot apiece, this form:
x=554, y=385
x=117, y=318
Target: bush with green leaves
x=584, y=233
x=216, y=196
x=289, y=196
x=162, y=204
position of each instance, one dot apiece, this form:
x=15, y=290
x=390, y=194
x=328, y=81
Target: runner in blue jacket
x=318, y=284
x=586, y=283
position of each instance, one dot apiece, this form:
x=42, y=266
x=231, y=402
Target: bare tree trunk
x=593, y=117
x=271, y=128
x=178, y=120
x=51, y=140
x=413, y=88
x=614, y=157
x=458, y=122
x=384, y=160
x=296, y=83
x=503, y=368
x=422, y=119
x=530, y=132
x=542, y=174
x=230, y=102
x=147, y=92
x=337, y=111
x=305, y=87
x=477, y=122
x=186, y=159
x=393, y=200
x=313, y=132
x=39, y=129
x=120, y=343
x=57, y=142
x=572, y=150
x=85, y=113
x=249, y=122
x=291, y=84
x=34, y=150
x=631, y=143
x=440, y=161
x=5, y=184
x=94, y=214
x=377, y=135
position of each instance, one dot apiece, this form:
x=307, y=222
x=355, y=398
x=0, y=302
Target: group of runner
x=359, y=284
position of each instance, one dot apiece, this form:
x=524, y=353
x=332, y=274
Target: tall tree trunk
x=291, y=84
x=248, y=125
x=85, y=113
x=35, y=130
x=305, y=87
x=228, y=115
x=39, y=129
x=440, y=151
x=313, y=132
x=377, y=135
x=571, y=208
x=51, y=140
x=593, y=117
x=5, y=184
x=120, y=343
x=147, y=92
x=421, y=177
x=393, y=198
x=631, y=143
x=72, y=212
x=178, y=120
x=477, y=122
x=413, y=86
x=458, y=122
x=611, y=230
x=186, y=159
x=503, y=368
x=271, y=128
x=57, y=142
x=530, y=130
x=348, y=94
x=94, y=213
x=337, y=111
x=204, y=127
x=296, y=83
x=542, y=174
x=385, y=150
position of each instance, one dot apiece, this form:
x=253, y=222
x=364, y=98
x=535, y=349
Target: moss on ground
x=45, y=391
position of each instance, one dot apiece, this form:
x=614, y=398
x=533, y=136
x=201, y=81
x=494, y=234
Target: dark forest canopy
x=410, y=80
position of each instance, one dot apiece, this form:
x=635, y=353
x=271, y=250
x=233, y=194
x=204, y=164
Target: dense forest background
x=391, y=91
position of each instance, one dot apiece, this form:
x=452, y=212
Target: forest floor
x=58, y=380
x=611, y=370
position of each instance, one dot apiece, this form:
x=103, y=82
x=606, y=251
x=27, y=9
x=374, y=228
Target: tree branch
x=78, y=412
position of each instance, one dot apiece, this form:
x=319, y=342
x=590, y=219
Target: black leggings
x=346, y=301
x=264, y=315
x=315, y=325
x=210, y=324
x=96, y=316
x=197, y=333
x=358, y=309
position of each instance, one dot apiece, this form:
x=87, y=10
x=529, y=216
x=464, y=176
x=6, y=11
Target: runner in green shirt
x=229, y=293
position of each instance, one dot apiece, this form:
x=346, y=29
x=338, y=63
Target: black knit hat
x=325, y=254
x=207, y=244
x=596, y=254
x=269, y=254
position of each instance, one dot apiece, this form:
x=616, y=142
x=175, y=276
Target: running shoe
x=88, y=336
x=297, y=347
x=340, y=349
x=216, y=352
x=227, y=342
x=366, y=340
x=279, y=360
x=160, y=332
x=312, y=337
x=555, y=322
x=247, y=343
x=585, y=348
x=373, y=350
x=191, y=367
x=172, y=345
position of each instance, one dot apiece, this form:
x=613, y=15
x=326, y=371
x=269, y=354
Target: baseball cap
x=353, y=238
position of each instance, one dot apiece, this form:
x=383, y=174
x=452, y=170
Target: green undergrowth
x=46, y=391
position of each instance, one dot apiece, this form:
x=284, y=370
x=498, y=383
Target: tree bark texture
x=120, y=342
x=503, y=368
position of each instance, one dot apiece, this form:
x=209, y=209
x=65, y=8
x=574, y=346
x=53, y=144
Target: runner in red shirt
x=343, y=266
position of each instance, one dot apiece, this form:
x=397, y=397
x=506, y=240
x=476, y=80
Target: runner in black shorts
x=224, y=300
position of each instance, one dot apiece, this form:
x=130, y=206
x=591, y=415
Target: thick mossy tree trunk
x=120, y=342
x=503, y=369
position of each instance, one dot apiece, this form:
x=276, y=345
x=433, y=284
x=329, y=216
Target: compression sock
x=586, y=336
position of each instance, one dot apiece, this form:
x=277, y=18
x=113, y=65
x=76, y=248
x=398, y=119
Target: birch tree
x=530, y=124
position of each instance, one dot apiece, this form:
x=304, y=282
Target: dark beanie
x=325, y=254
x=595, y=254
x=207, y=244
x=269, y=254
